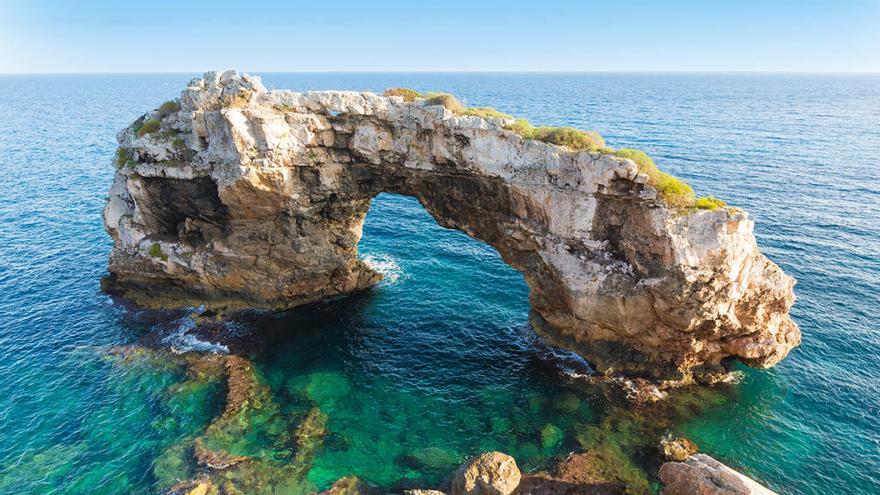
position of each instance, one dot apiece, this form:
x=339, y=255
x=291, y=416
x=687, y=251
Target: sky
x=38, y=36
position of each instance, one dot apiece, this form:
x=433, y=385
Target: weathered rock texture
x=492, y=473
x=703, y=475
x=248, y=197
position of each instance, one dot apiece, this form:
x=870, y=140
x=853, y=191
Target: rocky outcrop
x=578, y=474
x=350, y=485
x=703, y=475
x=236, y=196
x=492, y=473
x=677, y=449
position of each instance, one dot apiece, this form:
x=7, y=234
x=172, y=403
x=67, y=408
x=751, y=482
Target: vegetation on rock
x=708, y=203
x=123, y=158
x=156, y=252
x=405, y=93
x=168, y=108
x=570, y=137
x=148, y=127
x=672, y=190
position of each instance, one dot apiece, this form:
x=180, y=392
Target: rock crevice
x=243, y=197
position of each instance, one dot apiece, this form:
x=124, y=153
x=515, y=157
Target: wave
x=386, y=265
x=181, y=341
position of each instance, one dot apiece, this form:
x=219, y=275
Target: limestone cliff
x=237, y=196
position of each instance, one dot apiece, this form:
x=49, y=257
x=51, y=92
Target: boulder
x=703, y=475
x=678, y=449
x=492, y=473
x=350, y=485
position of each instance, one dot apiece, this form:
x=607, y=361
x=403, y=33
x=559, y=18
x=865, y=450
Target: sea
x=438, y=362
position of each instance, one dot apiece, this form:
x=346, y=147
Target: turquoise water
x=438, y=362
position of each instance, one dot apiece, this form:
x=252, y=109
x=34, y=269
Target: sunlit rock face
x=236, y=196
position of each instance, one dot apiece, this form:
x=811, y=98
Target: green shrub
x=671, y=189
x=121, y=157
x=156, y=252
x=521, y=127
x=149, y=127
x=178, y=143
x=406, y=94
x=447, y=100
x=168, y=108
x=486, y=113
x=709, y=203
x=575, y=139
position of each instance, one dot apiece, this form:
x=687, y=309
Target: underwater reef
x=253, y=445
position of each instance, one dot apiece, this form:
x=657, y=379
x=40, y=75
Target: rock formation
x=235, y=196
x=492, y=473
x=703, y=475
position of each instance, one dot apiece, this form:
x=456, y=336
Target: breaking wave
x=386, y=265
x=181, y=341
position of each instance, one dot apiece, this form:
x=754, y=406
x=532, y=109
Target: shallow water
x=438, y=362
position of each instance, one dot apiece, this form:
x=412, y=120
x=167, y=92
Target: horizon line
x=622, y=71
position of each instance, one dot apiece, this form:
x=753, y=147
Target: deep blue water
x=447, y=331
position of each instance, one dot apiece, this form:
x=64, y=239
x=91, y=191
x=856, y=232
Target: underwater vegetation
x=233, y=435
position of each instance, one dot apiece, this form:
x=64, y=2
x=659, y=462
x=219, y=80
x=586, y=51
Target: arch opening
x=623, y=278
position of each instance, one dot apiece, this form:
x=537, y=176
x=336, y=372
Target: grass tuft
x=575, y=139
x=709, y=203
x=121, y=157
x=168, y=108
x=156, y=252
x=671, y=189
x=487, y=113
x=149, y=127
x=447, y=100
x=406, y=94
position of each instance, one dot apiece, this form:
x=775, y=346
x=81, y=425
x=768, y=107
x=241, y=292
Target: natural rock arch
x=241, y=197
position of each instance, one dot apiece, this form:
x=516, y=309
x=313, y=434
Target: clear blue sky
x=511, y=35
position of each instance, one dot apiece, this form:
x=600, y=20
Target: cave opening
x=185, y=210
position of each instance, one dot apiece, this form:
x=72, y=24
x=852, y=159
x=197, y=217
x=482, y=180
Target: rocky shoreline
x=220, y=461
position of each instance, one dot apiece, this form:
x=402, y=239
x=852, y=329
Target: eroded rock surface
x=492, y=473
x=703, y=475
x=237, y=196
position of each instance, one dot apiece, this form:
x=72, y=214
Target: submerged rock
x=576, y=475
x=243, y=197
x=678, y=449
x=309, y=437
x=551, y=436
x=350, y=485
x=492, y=473
x=196, y=487
x=703, y=475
